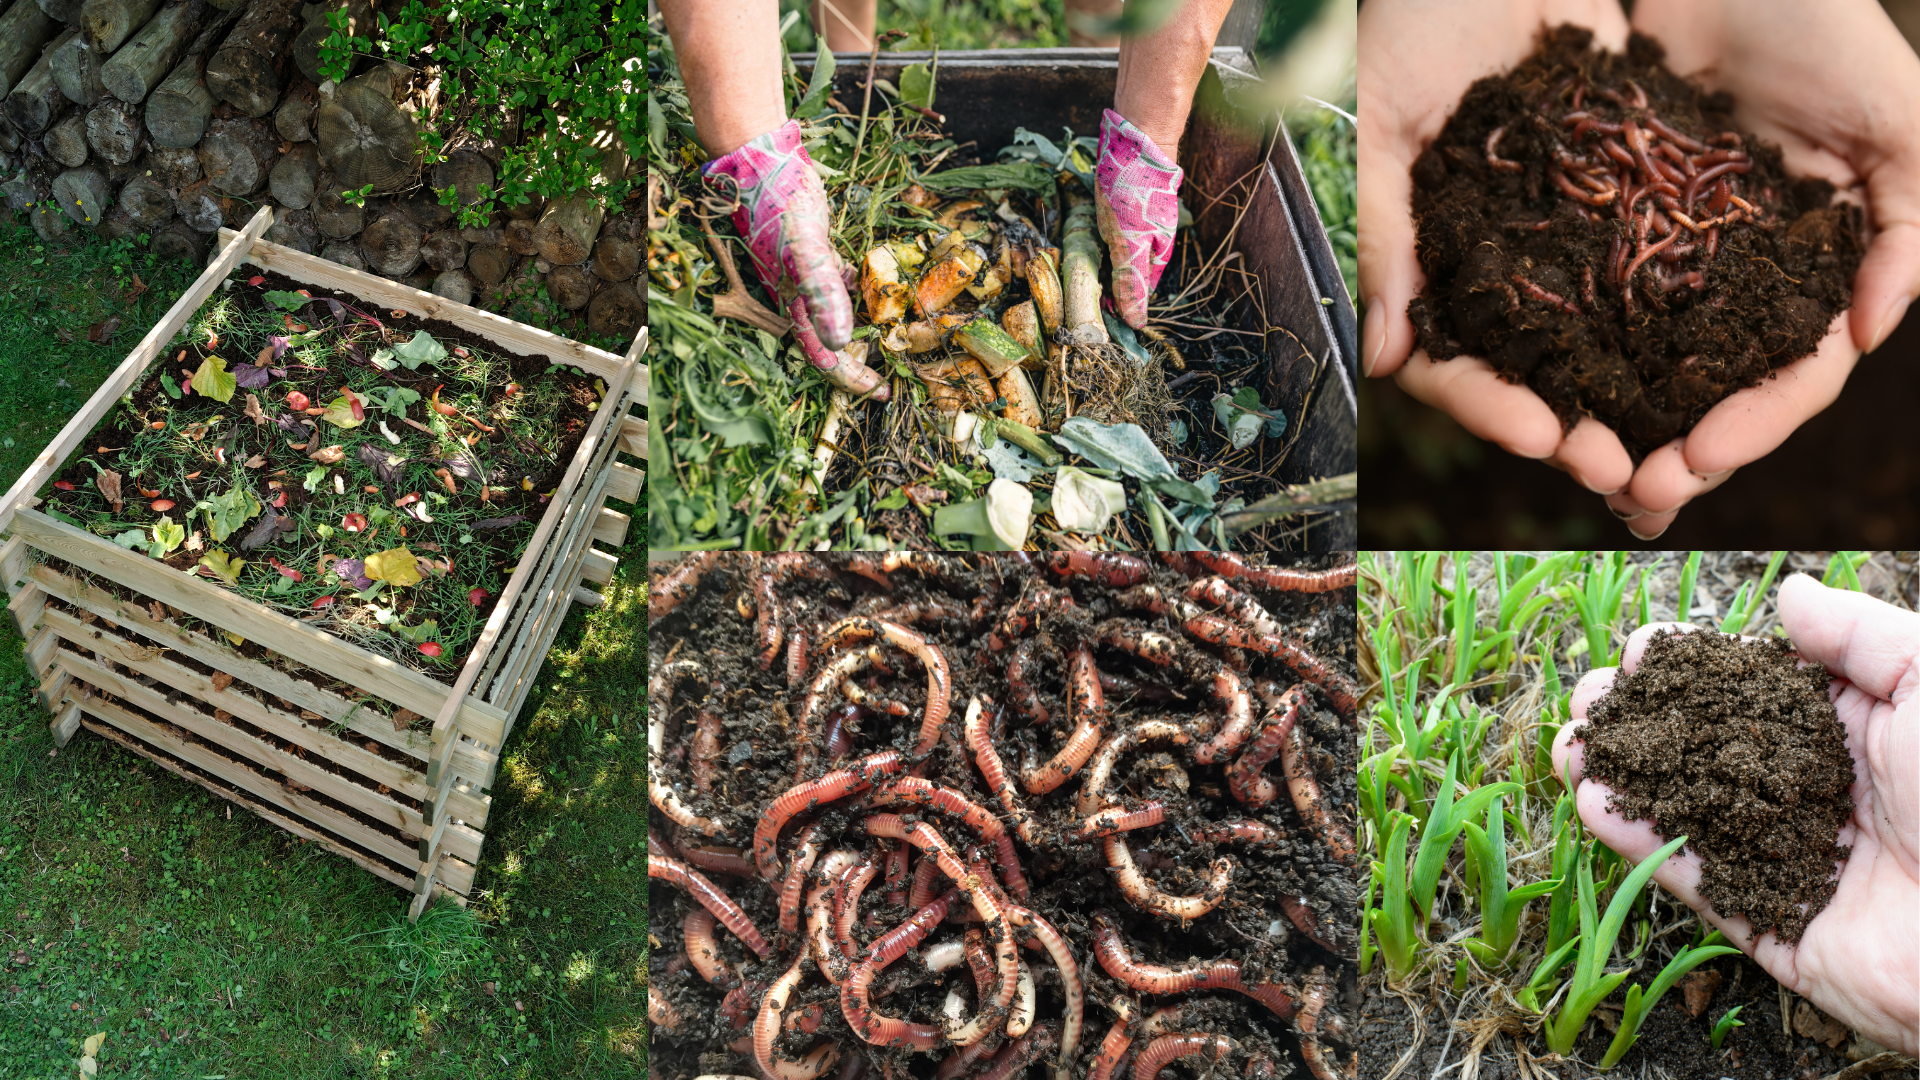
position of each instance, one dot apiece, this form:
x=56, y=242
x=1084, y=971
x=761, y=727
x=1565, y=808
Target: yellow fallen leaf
x=394, y=566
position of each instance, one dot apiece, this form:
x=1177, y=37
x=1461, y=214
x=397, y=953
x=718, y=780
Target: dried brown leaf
x=254, y=411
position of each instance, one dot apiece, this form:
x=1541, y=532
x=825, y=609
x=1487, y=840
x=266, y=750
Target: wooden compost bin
x=1235, y=170
x=407, y=805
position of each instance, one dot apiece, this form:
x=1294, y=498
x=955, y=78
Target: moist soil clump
x=1597, y=228
x=1730, y=743
x=733, y=742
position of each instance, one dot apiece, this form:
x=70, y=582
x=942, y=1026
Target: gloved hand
x=782, y=214
x=1136, y=194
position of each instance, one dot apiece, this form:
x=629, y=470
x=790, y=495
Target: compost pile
x=1061, y=753
x=376, y=481
x=1597, y=229
x=1733, y=745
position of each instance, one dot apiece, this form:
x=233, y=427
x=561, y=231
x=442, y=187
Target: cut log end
x=392, y=246
x=570, y=286
x=617, y=311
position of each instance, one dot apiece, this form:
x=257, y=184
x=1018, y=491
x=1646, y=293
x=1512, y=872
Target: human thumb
x=1389, y=273
x=1889, y=277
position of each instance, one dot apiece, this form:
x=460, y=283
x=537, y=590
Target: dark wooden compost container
x=1233, y=158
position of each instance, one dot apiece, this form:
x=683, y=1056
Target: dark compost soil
x=1673, y=1040
x=520, y=475
x=1732, y=744
x=1525, y=251
x=961, y=600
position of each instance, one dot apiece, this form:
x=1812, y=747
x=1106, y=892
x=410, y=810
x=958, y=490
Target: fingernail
x=1611, y=509
x=1655, y=535
x=1711, y=477
x=1376, y=336
x=1597, y=491
x=1887, y=324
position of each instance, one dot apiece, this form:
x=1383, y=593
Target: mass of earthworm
x=1079, y=814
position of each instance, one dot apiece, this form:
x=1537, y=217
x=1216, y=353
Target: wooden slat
x=53, y=686
x=472, y=762
x=147, y=660
x=584, y=595
x=39, y=648
x=25, y=607
x=626, y=484
x=510, y=335
x=597, y=566
x=611, y=528
x=633, y=437
x=130, y=369
x=14, y=564
x=308, y=644
x=103, y=725
x=65, y=724
x=640, y=373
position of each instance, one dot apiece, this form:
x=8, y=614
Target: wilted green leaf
x=396, y=567
x=1026, y=175
x=286, y=301
x=916, y=85
x=421, y=350
x=1121, y=447
x=226, y=513
x=167, y=535
x=213, y=381
x=224, y=565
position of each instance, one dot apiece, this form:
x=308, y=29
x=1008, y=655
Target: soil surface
x=232, y=449
x=960, y=602
x=1674, y=1040
x=1731, y=743
x=1546, y=240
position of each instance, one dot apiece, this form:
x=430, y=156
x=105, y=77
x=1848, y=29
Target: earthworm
x=660, y=697
x=837, y=784
x=928, y=839
x=797, y=656
x=1586, y=286
x=961, y=1061
x=886, y=1030
x=1087, y=705
x=1618, y=153
x=1014, y=1057
x=873, y=701
x=674, y=587
x=839, y=731
x=1304, y=919
x=1342, y=691
x=1240, y=829
x=1692, y=279
x=988, y=760
x=1232, y=692
x=803, y=857
x=710, y=897
x=1161, y=1052
x=1636, y=140
x=1111, y=951
x=738, y=1007
x=1645, y=254
x=1025, y=1004
x=1115, y=819
x=979, y=962
x=1711, y=172
x=939, y=679
x=1115, y=685
x=831, y=674
x=1112, y=569
x=823, y=903
x=1560, y=180
x=660, y=1011
x=1716, y=157
x=704, y=755
x=1150, y=645
x=1314, y=999
x=1024, y=610
x=767, y=1025
x=1244, y=779
x=1593, y=123
x=869, y=567
x=896, y=862
x=1494, y=159
x=914, y=790
x=1142, y=893
x=719, y=860
x=768, y=630
x=1055, y=945
x=925, y=876
x=1308, y=800
x=1279, y=579
x=1238, y=605
x=1020, y=692
x=1683, y=141
x=697, y=931
x=1115, y=1044
x=1093, y=789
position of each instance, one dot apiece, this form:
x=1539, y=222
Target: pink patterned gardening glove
x=783, y=216
x=1137, y=195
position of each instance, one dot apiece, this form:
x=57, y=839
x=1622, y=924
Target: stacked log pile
x=174, y=118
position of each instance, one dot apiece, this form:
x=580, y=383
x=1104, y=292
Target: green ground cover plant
x=201, y=942
x=1473, y=656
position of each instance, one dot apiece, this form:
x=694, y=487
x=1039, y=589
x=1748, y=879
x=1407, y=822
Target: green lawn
x=206, y=943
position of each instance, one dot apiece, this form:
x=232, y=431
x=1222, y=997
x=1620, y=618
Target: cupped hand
x=1417, y=57
x=1859, y=959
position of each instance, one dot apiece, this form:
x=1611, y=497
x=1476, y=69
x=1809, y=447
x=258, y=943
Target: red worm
x=1055, y=945
x=1618, y=153
x=1494, y=159
x=1279, y=579
x=1020, y=692
x=1112, y=569
x=710, y=897
x=1567, y=187
x=797, y=656
x=915, y=791
x=1035, y=601
x=1244, y=779
x=703, y=758
x=738, y=1007
x=1240, y=829
x=1149, y=645
x=961, y=1061
x=1342, y=691
x=1088, y=708
x=926, y=877
x=677, y=585
x=1238, y=605
x=1115, y=1044
x=853, y=884
x=1309, y=1026
x=1093, y=790
x=1545, y=296
x=1684, y=141
x=701, y=949
x=896, y=857
x=660, y=1011
x=823, y=901
x=919, y=610
x=867, y=566
x=1638, y=260
x=768, y=629
x=988, y=759
x=1014, y=1057
x=839, y=731
x=1712, y=172
x=1232, y=692
x=837, y=784
x=803, y=857
x=939, y=678
x=1115, y=819
x=1145, y=895
x=1302, y=917
x=887, y=1030
x=767, y=1026
x=1307, y=798
x=1147, y=978
x=1121, y=686
x=1161, y=1052
x=720, y=860
x=660, y=688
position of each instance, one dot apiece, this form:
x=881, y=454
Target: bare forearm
x=1160, y=71
x=729, y=54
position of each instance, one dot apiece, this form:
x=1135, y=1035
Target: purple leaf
x=462, y=465
x=386, y=465
x=354, y=573
x=354, y=351
x=498, y=523
x=339, y=313
x=289, y=423
x=268, y=530
x=279, y=344
x=279, y=372
x=251, y=378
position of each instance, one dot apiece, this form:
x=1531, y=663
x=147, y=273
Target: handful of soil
x=1732, y=744
x=1596, y=228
